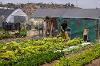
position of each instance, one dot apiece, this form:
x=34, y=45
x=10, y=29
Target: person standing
x=47, y=26
x=64, y=28
x=85, y=34
x=52, y=26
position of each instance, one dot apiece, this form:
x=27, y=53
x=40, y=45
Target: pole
x=97, y=29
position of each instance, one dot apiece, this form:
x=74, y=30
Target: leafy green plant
x=4, y=35
x=31, y=52
x=81, y=58
x=21, y=33
x=35, y=52
x=75, y=41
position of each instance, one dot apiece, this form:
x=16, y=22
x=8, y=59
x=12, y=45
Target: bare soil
x=13, y=39
x=50, y=64
x=94, y=63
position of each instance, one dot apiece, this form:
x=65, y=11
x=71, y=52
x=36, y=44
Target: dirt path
x=13, y=39
x=50, y=64
x=20, y=39
x=94, y=63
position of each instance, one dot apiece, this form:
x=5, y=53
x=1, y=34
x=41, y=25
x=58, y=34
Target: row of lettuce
x=81, y=59
x=33, y=52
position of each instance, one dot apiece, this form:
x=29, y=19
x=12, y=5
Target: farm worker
x=47, y=26
x=64, y=29
x=85, y=34
x=52, y=26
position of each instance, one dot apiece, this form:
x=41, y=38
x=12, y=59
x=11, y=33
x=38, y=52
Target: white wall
x=36, y=20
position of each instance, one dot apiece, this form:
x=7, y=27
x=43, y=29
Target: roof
x=6, y=12
x=19, y=12
x=67, y=13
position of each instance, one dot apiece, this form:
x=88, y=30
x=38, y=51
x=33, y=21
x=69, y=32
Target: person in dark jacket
x=65, y=30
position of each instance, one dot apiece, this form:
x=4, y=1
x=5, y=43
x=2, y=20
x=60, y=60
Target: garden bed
x=71, y=52
x=81, y=59
x=32, y=52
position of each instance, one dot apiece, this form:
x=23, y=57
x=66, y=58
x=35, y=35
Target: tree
x=10, y=5
x=1, y=5
x=72, y=5
x=68, y=5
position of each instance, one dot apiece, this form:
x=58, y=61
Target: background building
x=77, y=20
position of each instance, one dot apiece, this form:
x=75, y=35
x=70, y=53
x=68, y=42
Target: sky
x=80, y=3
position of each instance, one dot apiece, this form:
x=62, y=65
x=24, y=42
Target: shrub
x=21, y=33
x=4, y=35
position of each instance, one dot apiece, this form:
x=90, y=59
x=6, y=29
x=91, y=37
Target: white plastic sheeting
x=17, y=12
